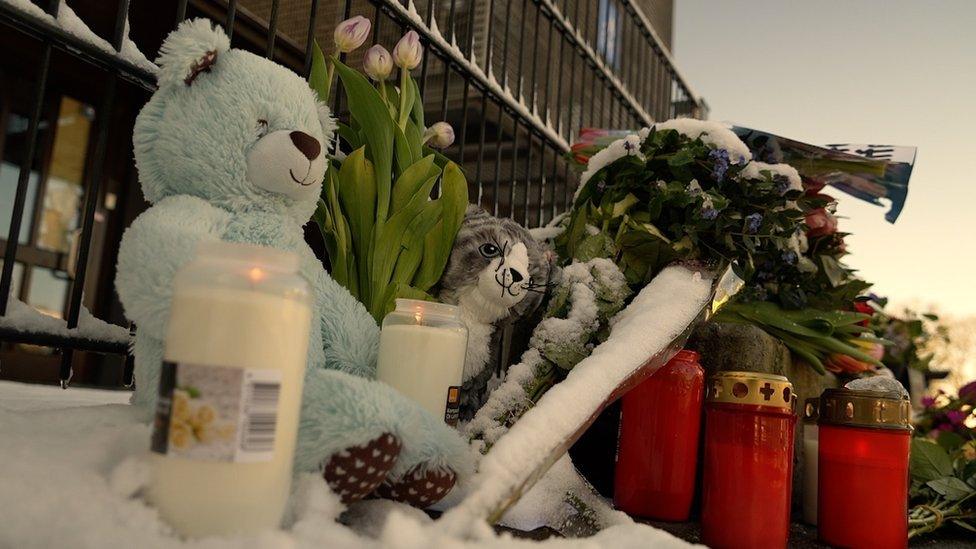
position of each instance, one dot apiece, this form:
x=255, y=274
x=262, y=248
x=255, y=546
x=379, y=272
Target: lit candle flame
x=256, y=274
x=418, y=315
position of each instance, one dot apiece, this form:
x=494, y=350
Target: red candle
x=749, y=422
x=863, y=468
x=657, y=452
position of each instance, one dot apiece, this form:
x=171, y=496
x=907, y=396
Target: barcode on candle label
x=260, y=417
x=217, y=413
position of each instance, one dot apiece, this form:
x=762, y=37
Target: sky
x=893, y=72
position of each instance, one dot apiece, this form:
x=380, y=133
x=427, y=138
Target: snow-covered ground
x=72, y=465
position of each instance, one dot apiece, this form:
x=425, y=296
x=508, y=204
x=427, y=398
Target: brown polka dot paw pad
x=420, y=486
x=357, y=471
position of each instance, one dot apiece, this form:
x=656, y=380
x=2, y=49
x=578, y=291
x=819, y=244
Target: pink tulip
x=408, y=52
x=351, y=33
x=377, y=63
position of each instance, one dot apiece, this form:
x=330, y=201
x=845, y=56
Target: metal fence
x=517, y=79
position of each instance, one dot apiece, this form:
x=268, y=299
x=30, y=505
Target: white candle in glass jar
x=230, y=391
x=422, y=347
x=811, y=451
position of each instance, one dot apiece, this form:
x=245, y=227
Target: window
x=607, y=37
x=52, y=205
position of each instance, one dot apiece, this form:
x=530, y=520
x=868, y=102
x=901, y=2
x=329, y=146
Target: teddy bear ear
x=190, y=50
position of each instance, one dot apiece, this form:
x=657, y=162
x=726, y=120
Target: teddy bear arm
x=350, y=336
x=160, y=241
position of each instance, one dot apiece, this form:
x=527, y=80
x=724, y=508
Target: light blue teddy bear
x=233, y=147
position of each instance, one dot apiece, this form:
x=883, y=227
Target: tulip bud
x=440, y=135
x=408, y=52
x=351, y=33
x=377, y=63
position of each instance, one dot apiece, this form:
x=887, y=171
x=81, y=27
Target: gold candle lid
x=870, y=409
x=752, y=388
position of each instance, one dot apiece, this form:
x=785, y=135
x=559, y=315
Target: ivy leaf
x=929, y=461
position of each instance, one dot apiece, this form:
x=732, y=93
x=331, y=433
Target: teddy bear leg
x=148, y=353
x=347, y=432
x=434, y=456
x=359, y=470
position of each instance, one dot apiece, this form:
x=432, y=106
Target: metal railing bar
x=472, y=71
x=310, y=37
x=638, y=14
x=9, y=335
x=229, y=21
x=88, y=217
x=58, y=38
x=23, y=178
x=272, y=29
x=593, y=56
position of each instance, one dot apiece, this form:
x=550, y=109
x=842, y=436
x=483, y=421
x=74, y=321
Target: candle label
x=451, y=411
x=216, y=413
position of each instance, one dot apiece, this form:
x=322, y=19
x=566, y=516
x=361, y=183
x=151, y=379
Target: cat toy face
x=495, y=262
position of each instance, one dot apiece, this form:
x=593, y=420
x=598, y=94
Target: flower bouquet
x=384, y=235
x=943, y=464
x=688, y=189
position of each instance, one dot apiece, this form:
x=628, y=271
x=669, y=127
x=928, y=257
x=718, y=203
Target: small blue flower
x=753, y=221
x=709, y=213
x=790, y=257
x=742, y=160
x=721, y=158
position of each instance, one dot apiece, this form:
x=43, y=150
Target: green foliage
x=666, y=202
x=943, y=484
x=385, y=236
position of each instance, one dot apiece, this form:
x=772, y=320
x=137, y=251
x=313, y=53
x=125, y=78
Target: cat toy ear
x=189, y=51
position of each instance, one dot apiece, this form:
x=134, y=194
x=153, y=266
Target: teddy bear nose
x=308, y=145
x=516, y=276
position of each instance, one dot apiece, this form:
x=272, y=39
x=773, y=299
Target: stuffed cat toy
x=496, y=273
x=233, y=147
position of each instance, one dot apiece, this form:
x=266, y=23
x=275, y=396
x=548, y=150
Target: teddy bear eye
x=262, y=127
x=489, y=250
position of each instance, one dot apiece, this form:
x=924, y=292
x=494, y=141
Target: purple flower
x=928, y=402
x=790, y=257
x=721, y=158
x=956, y=417
x=709, y=213
x=753, y=221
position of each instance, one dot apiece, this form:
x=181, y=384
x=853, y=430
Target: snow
x=69, y=22
x=24, y=318
x=662, y=311
x=754, y=169
x=715, y=134
x=881, y=383
x=74, y=465
x=545, y=504
x=614, y=151
x=452, y=51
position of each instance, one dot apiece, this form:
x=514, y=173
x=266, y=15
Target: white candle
x=236, y=350
x=422, y=348
x=810, y=453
